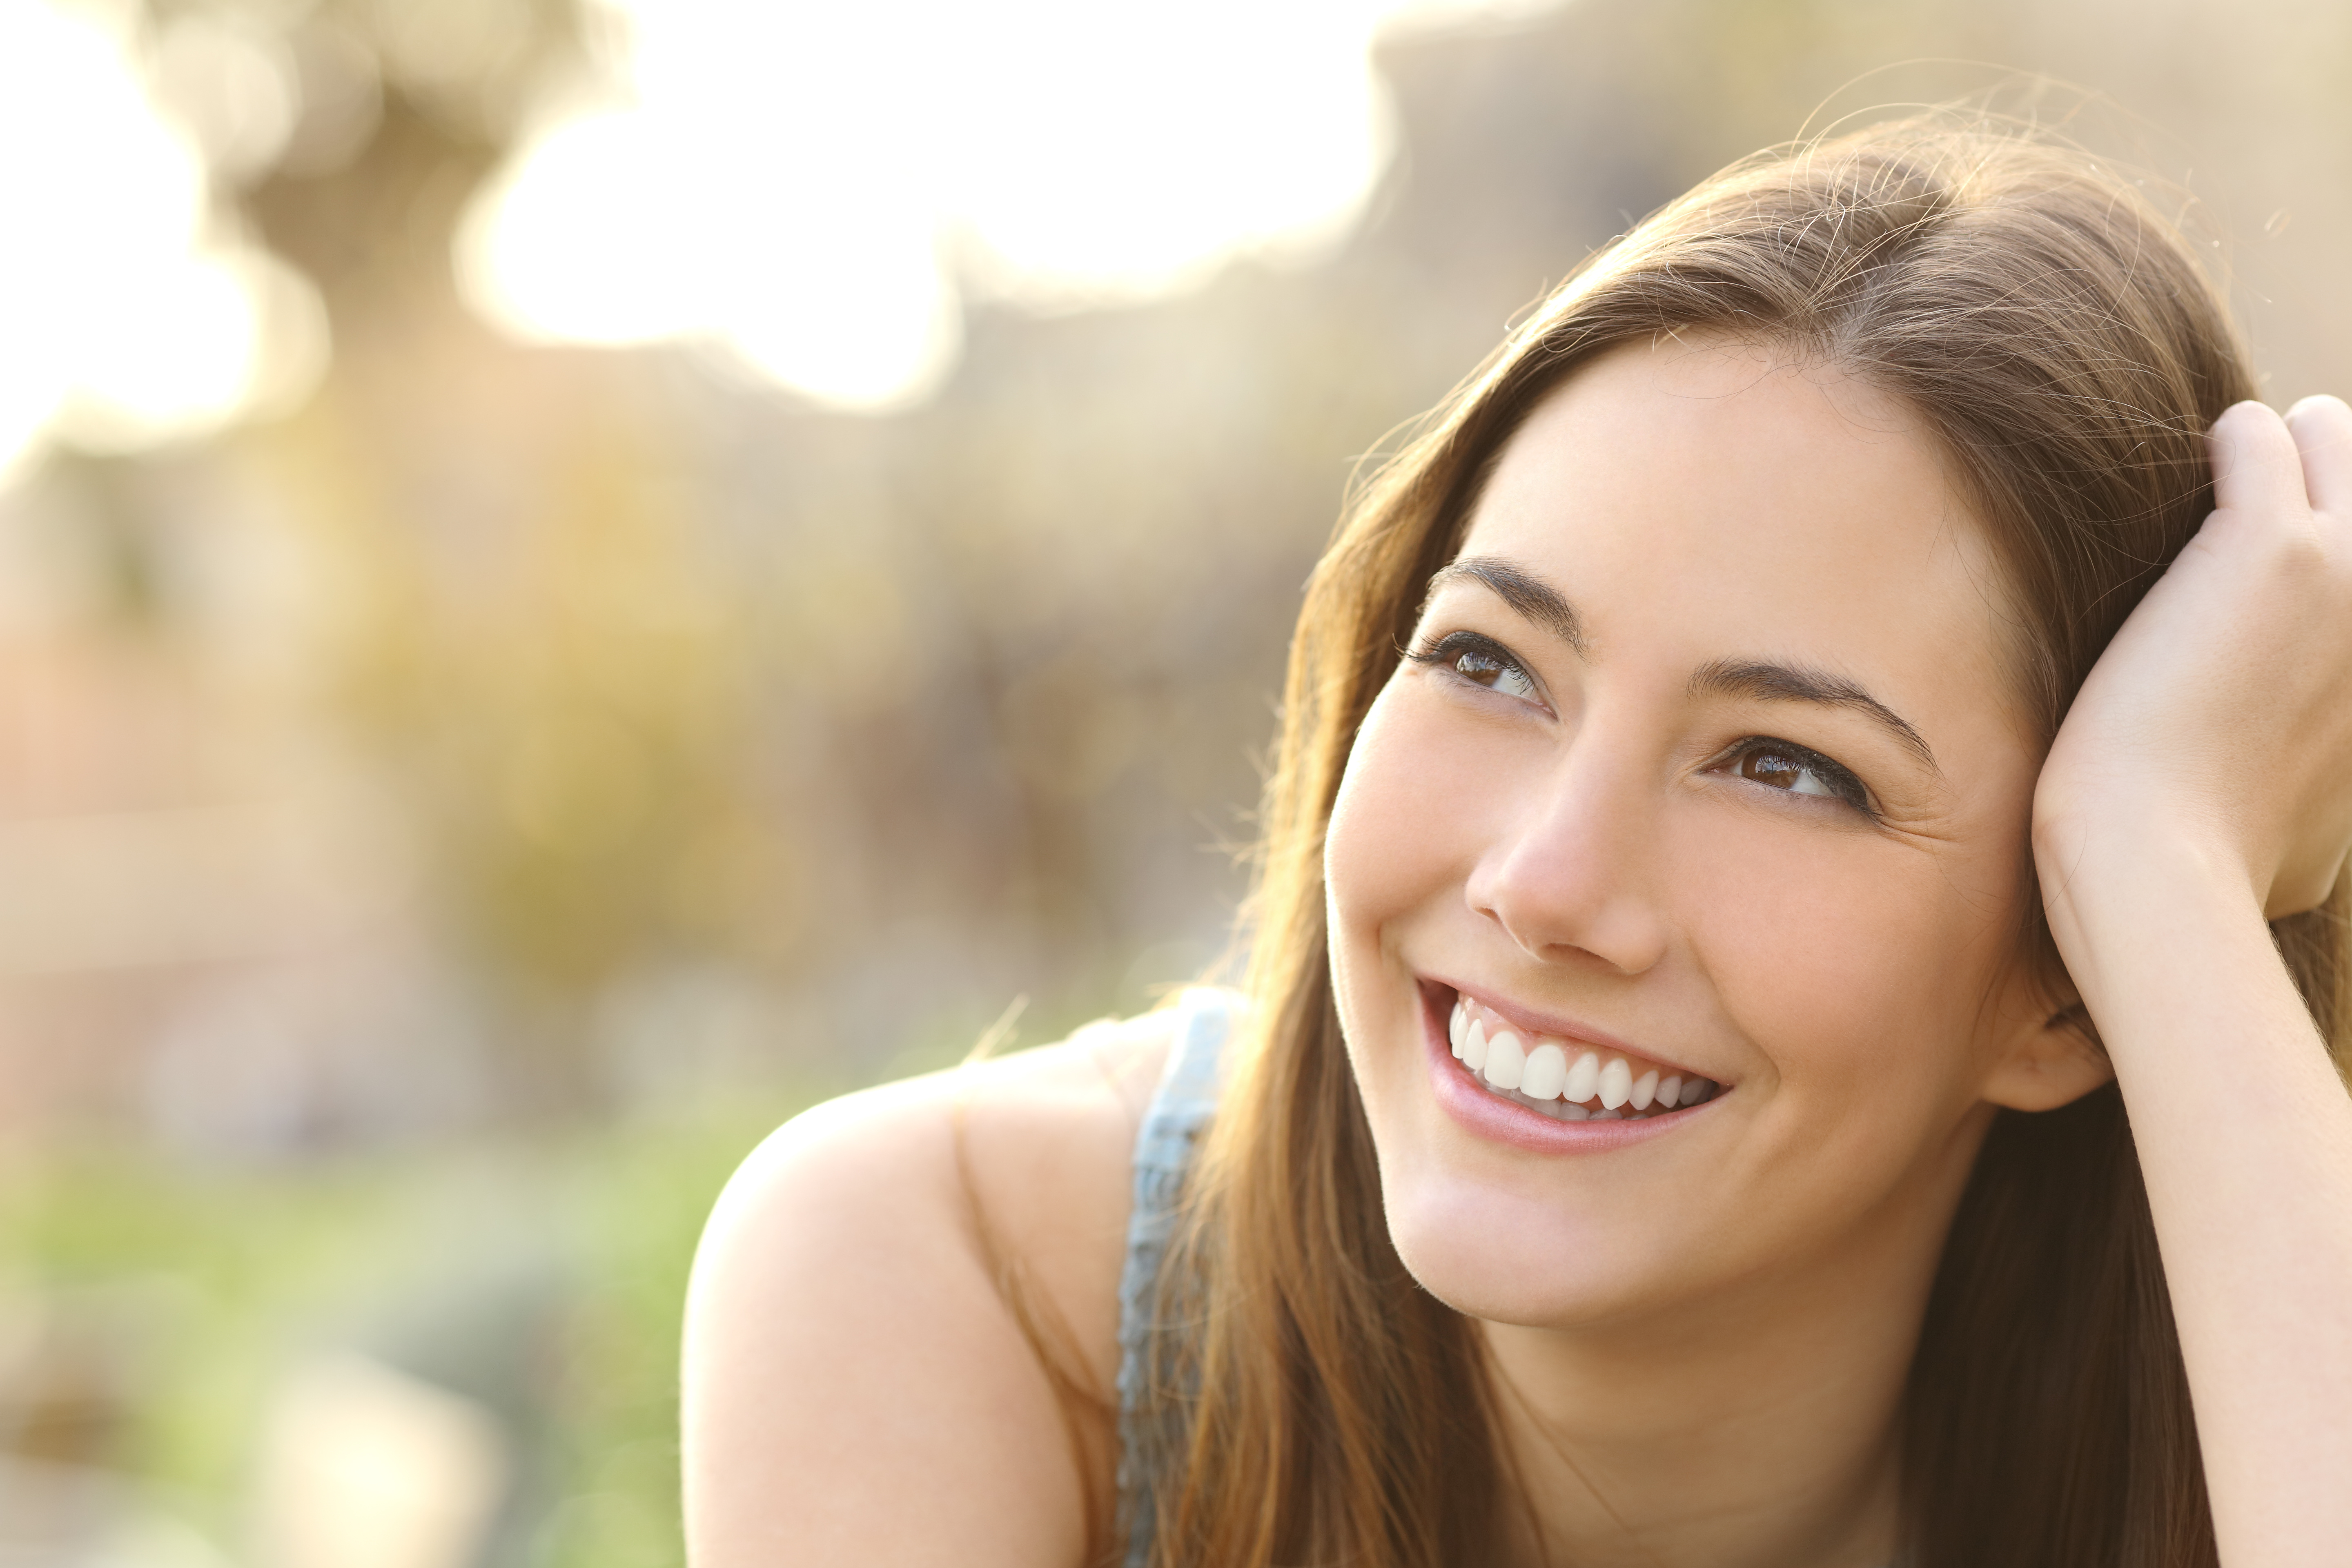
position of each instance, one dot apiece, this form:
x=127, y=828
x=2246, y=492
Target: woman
x=1848, y=705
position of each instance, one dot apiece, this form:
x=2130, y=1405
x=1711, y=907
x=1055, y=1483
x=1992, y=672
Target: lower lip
x=1506, y=1121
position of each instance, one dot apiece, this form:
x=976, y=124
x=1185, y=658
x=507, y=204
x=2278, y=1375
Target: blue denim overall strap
x=1181, y=1107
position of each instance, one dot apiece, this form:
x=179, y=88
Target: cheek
x=1840, y=961
x=1396, y=827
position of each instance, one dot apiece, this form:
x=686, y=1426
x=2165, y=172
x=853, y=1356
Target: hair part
x=2055, y=334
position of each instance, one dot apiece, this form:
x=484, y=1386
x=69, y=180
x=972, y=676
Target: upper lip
x=1559, y=1025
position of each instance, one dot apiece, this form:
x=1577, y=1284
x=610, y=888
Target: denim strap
x=1180, y=1109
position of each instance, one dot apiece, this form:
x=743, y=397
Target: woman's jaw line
x=1609, y=1096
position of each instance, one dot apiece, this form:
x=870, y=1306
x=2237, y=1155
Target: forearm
x=2244, y=1133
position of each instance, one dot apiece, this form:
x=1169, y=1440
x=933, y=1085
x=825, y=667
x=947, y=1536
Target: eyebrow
x=1766, y=683
x=1532, y=598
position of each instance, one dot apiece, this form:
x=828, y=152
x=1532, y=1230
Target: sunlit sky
x=818, y=186
x=816, y=189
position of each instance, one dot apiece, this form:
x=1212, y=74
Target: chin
x=1513, y=1257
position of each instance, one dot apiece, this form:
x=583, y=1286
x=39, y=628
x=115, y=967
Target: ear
x=2049, y=1050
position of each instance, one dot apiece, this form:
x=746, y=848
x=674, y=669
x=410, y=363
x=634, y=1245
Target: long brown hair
x=1312, y=1405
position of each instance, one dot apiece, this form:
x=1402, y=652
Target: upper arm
x=857, y=1389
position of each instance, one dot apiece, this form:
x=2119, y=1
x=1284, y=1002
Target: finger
x=2322, y=427
x=2256, y=467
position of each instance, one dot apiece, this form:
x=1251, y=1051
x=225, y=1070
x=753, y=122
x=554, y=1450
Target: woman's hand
x=2201, y=784
x=2219, y=722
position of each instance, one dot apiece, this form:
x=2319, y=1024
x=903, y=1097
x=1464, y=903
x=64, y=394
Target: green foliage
x=215, y=1281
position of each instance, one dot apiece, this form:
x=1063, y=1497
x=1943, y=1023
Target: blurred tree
x=528, y=630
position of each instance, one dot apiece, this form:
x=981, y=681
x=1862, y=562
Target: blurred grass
x=216, y=1278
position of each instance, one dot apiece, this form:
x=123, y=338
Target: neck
x=1756, y=1429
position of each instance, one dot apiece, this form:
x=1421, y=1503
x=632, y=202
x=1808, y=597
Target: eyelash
x=1449, y=652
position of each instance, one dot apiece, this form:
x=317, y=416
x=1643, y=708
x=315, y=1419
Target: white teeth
x=1547, y=1079
x=1616, y=1083
x=1546, y=1069
x=1506, y=1060
x=1582, y=1077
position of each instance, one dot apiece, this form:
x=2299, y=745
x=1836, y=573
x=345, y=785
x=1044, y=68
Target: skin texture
x=1701, y=1335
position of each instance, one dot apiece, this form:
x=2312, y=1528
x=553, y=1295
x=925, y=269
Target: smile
x=1562, y=1079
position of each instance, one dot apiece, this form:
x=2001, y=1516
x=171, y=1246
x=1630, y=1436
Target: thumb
x=2322, y=427
x=2257, y=469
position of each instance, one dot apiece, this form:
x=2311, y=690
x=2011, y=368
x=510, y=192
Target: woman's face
x=1707, y=758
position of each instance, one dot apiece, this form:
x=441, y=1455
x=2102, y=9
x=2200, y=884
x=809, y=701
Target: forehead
x=1715, y=498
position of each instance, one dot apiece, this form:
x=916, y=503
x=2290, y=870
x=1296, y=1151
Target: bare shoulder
x=857, y=1388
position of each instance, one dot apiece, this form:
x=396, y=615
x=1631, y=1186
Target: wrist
x=2122, y=888
x=2125, y=850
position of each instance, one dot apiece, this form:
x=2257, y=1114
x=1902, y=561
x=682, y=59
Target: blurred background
x=576, y=574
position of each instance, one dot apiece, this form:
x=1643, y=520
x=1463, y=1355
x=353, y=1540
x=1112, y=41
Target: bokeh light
x=131, y=315
x=815, y=186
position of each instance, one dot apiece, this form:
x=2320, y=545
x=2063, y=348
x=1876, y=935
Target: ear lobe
x=2050, y=1064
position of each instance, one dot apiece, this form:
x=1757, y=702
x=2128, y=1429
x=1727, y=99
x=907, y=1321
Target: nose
x=1570, y=874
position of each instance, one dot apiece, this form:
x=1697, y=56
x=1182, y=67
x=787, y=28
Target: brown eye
x=1800, y=771
x=1493, y=672
x=1780, y=771
x=1481, y=661
x=1482, y=667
